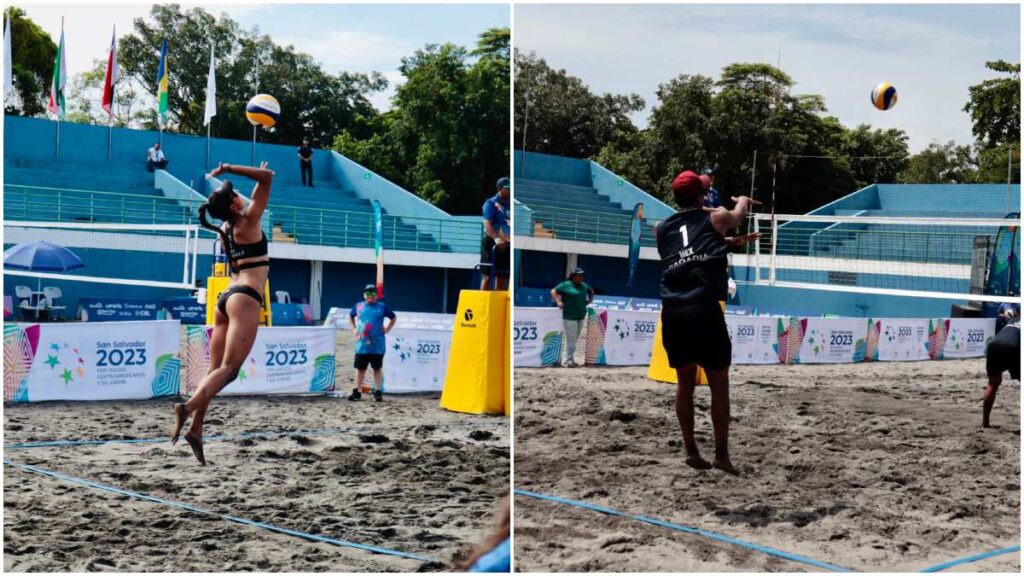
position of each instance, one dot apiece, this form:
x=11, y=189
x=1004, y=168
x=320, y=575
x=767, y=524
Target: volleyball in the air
x=263, y=110
x=884, y=96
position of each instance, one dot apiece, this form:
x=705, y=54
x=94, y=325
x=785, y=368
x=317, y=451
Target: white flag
x=211, y=93
x=8, y=66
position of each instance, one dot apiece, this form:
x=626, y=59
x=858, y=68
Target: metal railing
x=587, y=225
x=303, y=225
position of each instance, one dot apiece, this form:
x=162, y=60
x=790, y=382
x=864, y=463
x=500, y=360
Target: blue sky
x=931, y=53
x=358, y=38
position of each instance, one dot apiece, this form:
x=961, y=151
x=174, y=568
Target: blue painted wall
x=536, y=166
x=619, y=190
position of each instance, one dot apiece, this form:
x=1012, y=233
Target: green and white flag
x=60, y=79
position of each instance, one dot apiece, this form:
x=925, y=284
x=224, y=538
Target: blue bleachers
x=573, y=212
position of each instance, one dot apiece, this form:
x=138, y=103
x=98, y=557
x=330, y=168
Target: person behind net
x=237, y=316
x=1001, y=355
x=572, y=296
x=694, y=279
x=497, y=214
x=368, y=327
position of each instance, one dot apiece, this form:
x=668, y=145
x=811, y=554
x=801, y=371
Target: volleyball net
x=971, y=259
x=147, y=255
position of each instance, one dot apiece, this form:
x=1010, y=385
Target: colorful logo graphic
x=937, y=330
x=597, y=327
x=791, y=336
x=874, y=329
x=621, y=328
x=65, y=362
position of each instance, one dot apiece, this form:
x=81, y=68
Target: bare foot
x=197, y=446
x=695, y=461
x=723, y=464
x=180, y=415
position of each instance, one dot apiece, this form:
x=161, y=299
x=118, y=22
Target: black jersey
x=694, y=259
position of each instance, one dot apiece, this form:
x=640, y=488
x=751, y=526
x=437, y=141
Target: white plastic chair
x=51, y=294
x=283, y=297
x=27, y=301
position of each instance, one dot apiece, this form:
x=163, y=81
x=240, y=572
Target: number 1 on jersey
x=686, y=235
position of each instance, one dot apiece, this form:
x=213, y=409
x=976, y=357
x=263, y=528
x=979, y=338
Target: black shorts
x=373, y=360
x=501, y=257
x=222, y=302
x=1003, y=353
x=695, y=333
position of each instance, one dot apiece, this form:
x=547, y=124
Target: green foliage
x=446, y=136
x=562, y=116
x=941, y=164
x=994, y=107
x=313, y=102
x=804, y=156
x=32, y=54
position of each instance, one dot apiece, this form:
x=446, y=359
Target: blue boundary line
x=228, y=517
x=969, y=559
x=687, y=529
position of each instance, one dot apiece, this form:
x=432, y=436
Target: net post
x=775, y=246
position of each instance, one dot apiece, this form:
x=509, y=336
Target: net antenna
x=180, y=240
x=919, y=257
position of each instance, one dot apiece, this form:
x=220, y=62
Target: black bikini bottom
x=222, y=302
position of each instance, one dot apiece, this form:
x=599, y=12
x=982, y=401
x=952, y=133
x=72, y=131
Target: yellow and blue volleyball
x=263, y=110
x=884, y=96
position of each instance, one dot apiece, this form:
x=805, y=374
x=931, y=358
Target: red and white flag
x=111, y=78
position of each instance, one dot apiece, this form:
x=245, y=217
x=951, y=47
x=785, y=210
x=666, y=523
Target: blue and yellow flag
x=161, y=84
x=635, y=235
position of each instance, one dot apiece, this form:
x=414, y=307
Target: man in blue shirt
x=497, y=216
x=367, y=319
x=712, y=198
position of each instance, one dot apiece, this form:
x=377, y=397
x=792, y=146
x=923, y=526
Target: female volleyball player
x=1001, y=355
x=238, y=308
x=694, y=279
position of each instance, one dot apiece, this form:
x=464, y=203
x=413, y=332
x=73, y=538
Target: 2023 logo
x=841, y=339
x=122, y=357
x=428, y=348
x=524, y=333
x=905, y=331
x=286, y=358
x=644, y=327
x=975, y=336
x=747, y=330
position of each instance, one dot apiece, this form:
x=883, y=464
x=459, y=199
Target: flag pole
x=56, y=150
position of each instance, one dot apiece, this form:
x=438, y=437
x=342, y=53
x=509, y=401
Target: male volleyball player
x=694, y=279
x=1001, y=355
x=238, y=308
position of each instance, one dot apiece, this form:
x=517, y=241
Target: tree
x=940, y=164
x=86, y=91
x=313, y=103
x=875, y=155
x=446, y=135
x=32, y=54
x=994, y=106
x=565, y=117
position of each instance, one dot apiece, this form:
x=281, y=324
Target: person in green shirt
x=573, y=296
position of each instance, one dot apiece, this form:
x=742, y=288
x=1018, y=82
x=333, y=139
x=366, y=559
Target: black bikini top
x=238, y=252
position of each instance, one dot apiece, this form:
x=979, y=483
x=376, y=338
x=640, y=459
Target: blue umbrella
x=41, y=257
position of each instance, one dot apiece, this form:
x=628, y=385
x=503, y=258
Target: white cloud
x=382, y=100
x=353, y=50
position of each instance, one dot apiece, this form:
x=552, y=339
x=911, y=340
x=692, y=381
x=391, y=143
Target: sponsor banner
x=119, y=309
x=833, y=340
x=417, y=353
x=628, y=338
x=968, y=337
x=626, y=303
x=537, y=337
x=187, y=310
x=754, y=339
x=124, y=361
x=897, y=339
x=282, y=361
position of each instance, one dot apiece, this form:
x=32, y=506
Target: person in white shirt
x=155, y=158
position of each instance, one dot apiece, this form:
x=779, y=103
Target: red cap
x=688, y=182
x=705, y=180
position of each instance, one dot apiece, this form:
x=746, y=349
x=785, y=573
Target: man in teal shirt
x=573, y=296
